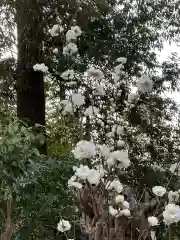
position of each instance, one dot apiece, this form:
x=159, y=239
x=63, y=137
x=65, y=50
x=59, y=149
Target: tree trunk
x=30, y=84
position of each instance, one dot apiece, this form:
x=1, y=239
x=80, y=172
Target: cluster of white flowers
x=171, y=214
x=63, y=226
x=40, y=67
x=71, y=36
x=77, y=99
x=153, y=221
x=159, y=191
x=84, y=149
x=91, y=111
x=95, y=73
x=56, y=30
x=114, y=185
x=68, y=74
x=120, y=158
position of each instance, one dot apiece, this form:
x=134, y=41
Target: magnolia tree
x=111, y=207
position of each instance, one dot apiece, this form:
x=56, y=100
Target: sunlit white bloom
x=120, y=143
x=68, y=74
x=56, y=30
x=125, y=212
x=117, y=186
x=119, y=157
x=159, y=191
x=82, y=172
x=105, y=150
x=77, y=99
x=175, y=169
x=84, y=150
x=70, y=49
x=99, y=91
x=113, y=211
x=101, y=170
x=119, y=199
x=67, y=107
x=153, y=221
x=145, y=84
x=64, y=226
x=70, y=36
x=40, y=67
x=94, y=72
x=93, y=177
x=91, y=110
x=74, y=184
x=77, y=31
x=171, y=214
x=122, y=60
x=173, y=196
x=126, y=205
x=55, y=50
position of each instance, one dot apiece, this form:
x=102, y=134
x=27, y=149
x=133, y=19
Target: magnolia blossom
x=171, y=214
x=125, y=212
x=40, y=67
x=113, y=211
x=70, y=36
x=64, y=226
x=126, y=205
x=153, y=221
x=56, y=30
x=145, y=84
x=173, y=196
x=74, y=184
x=84, y=149
x=78, y=99
x=114, y=185
x=175, y=169
x=159, y=191
x=119, y=199
x=67, y=107
x=122, y=60
x=82, y=172
x=120, y=143
x=91, y=110
x=70, y=49
x=93, y=177
x=68, y=74
x=96, y=73
x=77, y=31
x=120, y=158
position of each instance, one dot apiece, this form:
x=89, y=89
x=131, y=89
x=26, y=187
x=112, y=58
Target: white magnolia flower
x=125, y=212
x=77, y=31
x=74, y=184
x=113, y=211
x=70, y=36
x=173, y=196
x=82, y=172
x=96, y=73
x=120, y=143
x=153, y=221
x=117, y=186
x=67, y=107
x=64, y=226
x=119, y=199
x=84, y=150
x=122, y=60
x=68, y=74
x=93, y=177
x=159, y=191
x=175, y=169
x=91, y=110
x=145, y=84
x=40, y=67
x=56, y=30
x=171, y=214
x=70, y=49
x=126, y=205
x=55, y=50
x=78, y=99
x=120, y=158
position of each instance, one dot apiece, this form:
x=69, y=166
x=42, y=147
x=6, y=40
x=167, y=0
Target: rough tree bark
x=30, y=84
